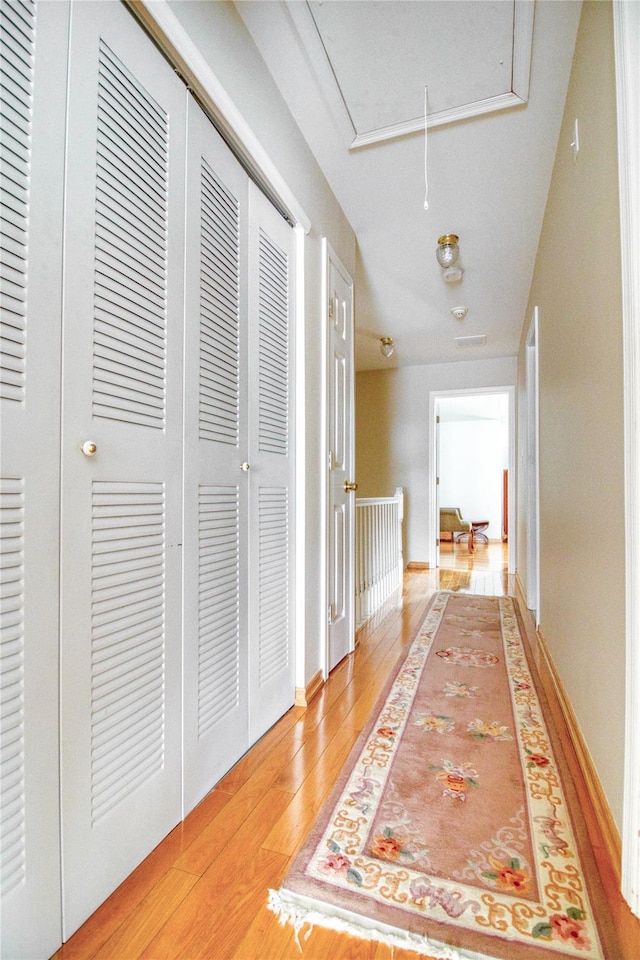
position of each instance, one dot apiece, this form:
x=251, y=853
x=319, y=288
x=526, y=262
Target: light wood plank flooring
x=202, y=892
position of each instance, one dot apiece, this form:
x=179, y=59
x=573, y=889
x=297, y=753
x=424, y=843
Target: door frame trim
x=533, y=467
x=432, y=532
x=626, y=25
x=299, y=463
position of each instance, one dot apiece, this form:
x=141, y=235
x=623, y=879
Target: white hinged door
x=341, y=463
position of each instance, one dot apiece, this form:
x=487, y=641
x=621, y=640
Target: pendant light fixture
x=448, y=251
x=447, y=254
x=386, y=346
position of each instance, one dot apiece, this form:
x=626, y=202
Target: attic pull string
x=426, y=176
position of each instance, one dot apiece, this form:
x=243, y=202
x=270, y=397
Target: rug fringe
x=299, y=914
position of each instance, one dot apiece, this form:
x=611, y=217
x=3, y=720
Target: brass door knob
x=348, y=486
x=89, y=448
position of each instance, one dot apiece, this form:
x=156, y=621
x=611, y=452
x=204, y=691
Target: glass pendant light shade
x=447, y=252
x=386, y=346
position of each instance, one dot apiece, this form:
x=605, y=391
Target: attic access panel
x=374, y=58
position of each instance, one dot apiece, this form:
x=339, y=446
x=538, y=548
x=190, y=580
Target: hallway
x=202, y=892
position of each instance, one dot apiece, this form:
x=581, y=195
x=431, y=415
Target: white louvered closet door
x=33, y=78
x=271, y=457
x=121, y=493
x=215, y=487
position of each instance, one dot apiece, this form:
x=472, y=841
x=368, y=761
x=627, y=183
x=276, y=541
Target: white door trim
x=433, y=538
x=432, y=533
x=626, y=20
x=300, y=453
x=532, y=472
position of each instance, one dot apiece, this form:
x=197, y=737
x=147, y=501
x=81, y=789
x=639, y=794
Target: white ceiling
x=353, y=73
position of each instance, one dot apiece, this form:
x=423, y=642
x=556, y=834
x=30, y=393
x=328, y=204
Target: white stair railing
x=378, y=562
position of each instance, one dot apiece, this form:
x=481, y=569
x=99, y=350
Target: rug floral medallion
x=449, y=831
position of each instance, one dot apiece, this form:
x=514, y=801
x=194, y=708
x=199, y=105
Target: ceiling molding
x=305, y=26
x=464, y=112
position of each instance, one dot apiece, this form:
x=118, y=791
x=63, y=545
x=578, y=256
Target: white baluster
x=378, y=552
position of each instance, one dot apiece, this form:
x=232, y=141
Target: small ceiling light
x=452, y=274
x=386, y=346
x=460, y=312
x=447, y=252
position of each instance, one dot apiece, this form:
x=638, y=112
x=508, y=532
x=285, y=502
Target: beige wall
x=392, y=433
x=220, y=34
x=577, y=288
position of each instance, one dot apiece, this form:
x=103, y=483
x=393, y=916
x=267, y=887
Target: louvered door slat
x=221, y=403
x=115, y=205
x=219, y=622
x=219, y=305
x=128, y=341
x=130, y=388
x=121, y=680
x=128, y=236
x=273, y=587
x=114, y=272
x=274, y=348
x=152, y=120
x=217, y=239
x=17, y=23
x=12, y=745
x=131, y=262
x=146, y=358
x=18, y=30
x=115, y=362
x=12, y=90
x=15, y=181
x=132, y=151
x=219, y=310
x=122, y=149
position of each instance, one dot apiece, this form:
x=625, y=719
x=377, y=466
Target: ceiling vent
x=478, y=341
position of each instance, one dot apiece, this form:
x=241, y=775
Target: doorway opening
x=473, y=464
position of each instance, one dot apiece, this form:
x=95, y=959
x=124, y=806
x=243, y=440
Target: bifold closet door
x=271, y=458
x=216, y=487
x=33, y=42
x=93, y=592
x=121, y=656
x=239, y=662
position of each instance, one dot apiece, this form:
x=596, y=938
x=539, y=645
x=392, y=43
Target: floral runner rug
x=449, y=831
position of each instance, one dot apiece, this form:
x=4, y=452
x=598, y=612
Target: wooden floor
x=203, y=890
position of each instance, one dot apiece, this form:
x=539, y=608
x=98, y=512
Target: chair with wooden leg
x=451, y=522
